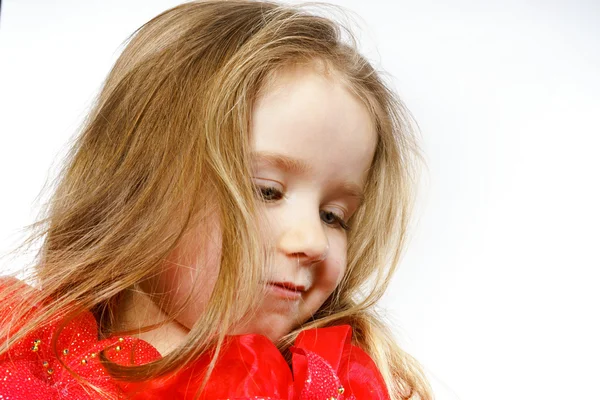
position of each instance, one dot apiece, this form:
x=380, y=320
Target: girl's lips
x=286, y=290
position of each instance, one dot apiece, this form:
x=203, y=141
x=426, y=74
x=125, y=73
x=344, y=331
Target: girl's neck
x=137, y=311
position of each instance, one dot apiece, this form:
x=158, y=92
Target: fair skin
x=312, y=145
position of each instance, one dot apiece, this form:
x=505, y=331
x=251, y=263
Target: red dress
x=325, y=365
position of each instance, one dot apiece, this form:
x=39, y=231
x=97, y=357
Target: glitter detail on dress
x=322, y=381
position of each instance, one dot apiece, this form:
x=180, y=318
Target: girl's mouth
x=286, y=290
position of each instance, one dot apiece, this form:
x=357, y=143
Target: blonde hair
x=169, y=134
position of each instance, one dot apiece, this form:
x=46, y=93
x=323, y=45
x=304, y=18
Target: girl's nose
x=307, y=239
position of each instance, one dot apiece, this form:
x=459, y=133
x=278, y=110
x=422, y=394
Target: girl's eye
x=331, y=218
x=269, y=193
x=272, y=193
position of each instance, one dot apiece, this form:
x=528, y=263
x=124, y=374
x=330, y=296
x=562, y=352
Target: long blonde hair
x=173, y=119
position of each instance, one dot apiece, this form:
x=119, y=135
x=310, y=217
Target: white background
x=498, y=292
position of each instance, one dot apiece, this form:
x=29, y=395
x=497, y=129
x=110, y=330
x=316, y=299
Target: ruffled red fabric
x=325, y=365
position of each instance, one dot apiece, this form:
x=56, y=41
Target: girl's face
x=313, y=143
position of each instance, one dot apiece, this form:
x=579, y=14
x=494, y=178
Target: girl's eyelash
x=339, y=221
x=271, y=194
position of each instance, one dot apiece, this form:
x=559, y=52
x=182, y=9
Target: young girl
x=233, y=209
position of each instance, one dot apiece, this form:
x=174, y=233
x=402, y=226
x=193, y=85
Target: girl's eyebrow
x=297, y=166
x=285, y=163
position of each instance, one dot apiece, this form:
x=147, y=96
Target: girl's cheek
x=337, y=260
x=268, y=222
x=341, y=261
x=190, y=270
x=264, y=223
x=340, y=270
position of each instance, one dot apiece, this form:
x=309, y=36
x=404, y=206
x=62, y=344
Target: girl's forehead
x=281, y=77
x=317, y=120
